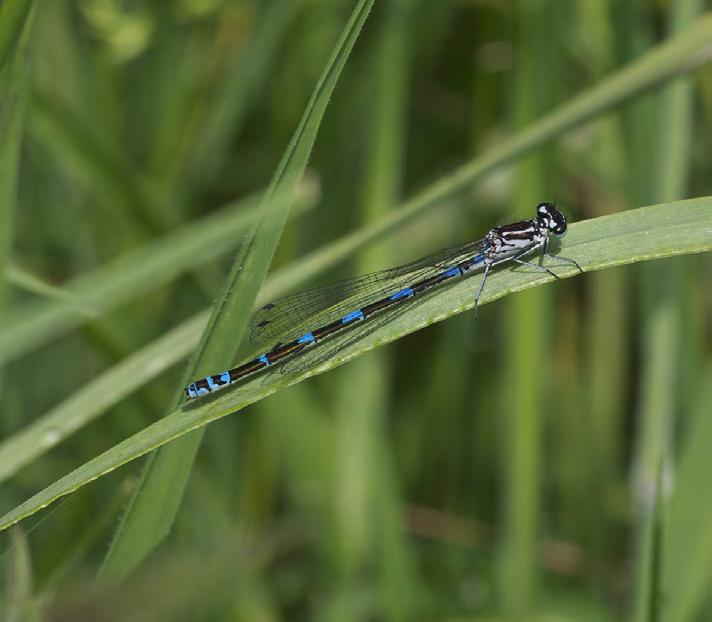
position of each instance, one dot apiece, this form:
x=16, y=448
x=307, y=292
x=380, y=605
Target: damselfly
x=332, y=313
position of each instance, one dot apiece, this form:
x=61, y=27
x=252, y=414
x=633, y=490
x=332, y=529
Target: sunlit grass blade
x=652, y=232
x=146, y=521
x=26, y=281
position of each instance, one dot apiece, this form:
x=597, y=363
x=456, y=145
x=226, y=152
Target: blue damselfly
x=300, y=321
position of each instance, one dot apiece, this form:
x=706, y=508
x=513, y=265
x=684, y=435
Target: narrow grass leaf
x=647, y=605
x=11, y=123
x=17, y=595
x=155, y=502
x=651, y=232
x=687, y=535
x=661, y=326
x=97, y=396
x=22, y=279
x=526, y=346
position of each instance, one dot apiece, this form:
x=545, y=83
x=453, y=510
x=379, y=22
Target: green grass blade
x=155, y=503
x=525, y=347
x=647, y=604
x=24, y=280
x=652, y=232
x=97, y=396
x=13, y=16
x=11, y=123
x=687, y=534
x=140, y=271
x=17, y=595
x=662, y=332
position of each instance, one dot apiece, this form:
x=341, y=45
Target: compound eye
x=560, y=229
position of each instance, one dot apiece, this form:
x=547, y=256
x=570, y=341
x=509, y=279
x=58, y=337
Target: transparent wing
x=293, y=315
x=326, y=350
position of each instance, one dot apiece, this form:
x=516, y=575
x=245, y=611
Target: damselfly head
x=551, y=218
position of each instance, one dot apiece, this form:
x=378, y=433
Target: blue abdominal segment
x=308, y=338
x=404, y=293
x=354, y=315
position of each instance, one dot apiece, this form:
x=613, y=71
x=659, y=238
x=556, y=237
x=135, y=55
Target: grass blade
x=155, y=503
x=651, y=232
x=18, y=604
x=526, y=345
x=97, y=396
x=11, y=122
x=647, y=604
x=687, y=534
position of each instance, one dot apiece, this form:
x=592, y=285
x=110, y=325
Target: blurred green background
x=548, y=461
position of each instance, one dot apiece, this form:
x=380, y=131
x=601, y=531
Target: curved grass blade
x=155, y=502
x=653, y=232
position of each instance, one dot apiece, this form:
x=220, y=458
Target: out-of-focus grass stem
x=662, y=328
x=367, y=491
x=524, y=387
